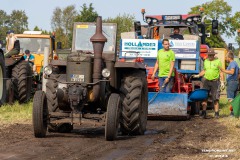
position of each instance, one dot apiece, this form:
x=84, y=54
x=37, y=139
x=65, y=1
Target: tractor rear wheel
x=113, y=114
x=9, y=92
x=52, y=101
x=22, y=81
x=2, y=80
x=134, y=105
x=40, y=114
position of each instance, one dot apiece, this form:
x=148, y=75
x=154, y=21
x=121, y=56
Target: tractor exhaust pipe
x=98, y=40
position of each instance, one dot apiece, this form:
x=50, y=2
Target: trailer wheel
x=112, y=117
x=40, y=114
x=52, y=101
x=22, y=81
x=195, y=108
x=2, y=79
x=134, y=105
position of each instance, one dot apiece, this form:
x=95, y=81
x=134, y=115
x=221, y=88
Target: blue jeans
x=167, y=87
x=232, y=86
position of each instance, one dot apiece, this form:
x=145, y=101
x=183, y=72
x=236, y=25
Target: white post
x=45, y=63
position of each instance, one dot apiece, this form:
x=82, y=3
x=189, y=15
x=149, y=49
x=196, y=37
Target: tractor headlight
x=149, y=20
x=195, y=19
x=105, y=73
x=189, y=19
x=47, y=70
x=154, y=20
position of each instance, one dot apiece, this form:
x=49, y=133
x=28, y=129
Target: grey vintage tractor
x=90, y=86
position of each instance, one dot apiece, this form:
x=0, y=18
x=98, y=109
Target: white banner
x=185, y=55
x=139, y=48
x=188, y=44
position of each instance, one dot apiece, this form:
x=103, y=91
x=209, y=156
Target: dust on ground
x=193, y=139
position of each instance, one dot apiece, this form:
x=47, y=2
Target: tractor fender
x=135, y=65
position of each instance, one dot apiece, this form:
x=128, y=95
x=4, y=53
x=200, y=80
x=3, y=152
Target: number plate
x=77, y=78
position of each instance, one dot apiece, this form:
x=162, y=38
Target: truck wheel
x=112, y=117
x=40, y=114
x=22, y=81
x=52, y=101
x=2, y=80
x=134, y=105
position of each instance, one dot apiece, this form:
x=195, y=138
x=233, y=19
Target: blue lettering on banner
x=140, y=44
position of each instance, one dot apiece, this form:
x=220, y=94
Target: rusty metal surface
x=11, y=61
x=78, y=118
x=98, y=36
x=98, y=40
x=58, y=63
x=129, y=65
x=80, y=121
x=58, y=114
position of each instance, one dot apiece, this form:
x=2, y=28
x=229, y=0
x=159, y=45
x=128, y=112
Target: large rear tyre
x=113, y=114
x=52, y=101
x=2, y=79
x=22, y=81
x=9, y=92
x=134, y=105
x=40, y=114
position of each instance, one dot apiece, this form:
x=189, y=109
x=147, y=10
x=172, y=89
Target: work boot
x=216, y=115
x=203, y=114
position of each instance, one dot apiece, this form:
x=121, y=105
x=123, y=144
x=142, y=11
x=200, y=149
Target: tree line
x=63, y=18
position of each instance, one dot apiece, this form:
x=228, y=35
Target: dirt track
x=194, y=139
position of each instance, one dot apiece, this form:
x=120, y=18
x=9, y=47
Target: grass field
x=16, y=113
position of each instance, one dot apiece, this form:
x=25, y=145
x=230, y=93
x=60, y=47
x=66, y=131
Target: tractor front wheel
x=40, y=114
x=113, y=114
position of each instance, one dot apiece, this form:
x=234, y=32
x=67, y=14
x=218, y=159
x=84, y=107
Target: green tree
x=36, y=28
x=3, y=24
x=62, y=23
x=124, y=23
x=87, y=14
x=18, y=21
x=220, y=10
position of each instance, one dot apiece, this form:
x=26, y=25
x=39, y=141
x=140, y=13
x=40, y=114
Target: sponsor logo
x=139, y=44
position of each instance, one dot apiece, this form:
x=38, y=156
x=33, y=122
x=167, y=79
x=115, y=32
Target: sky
x=40, y=12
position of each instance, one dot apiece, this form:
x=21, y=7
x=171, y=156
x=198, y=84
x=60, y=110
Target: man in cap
x=29, y=57
x=13, y=45
x=212, y=80
x=176, y=34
